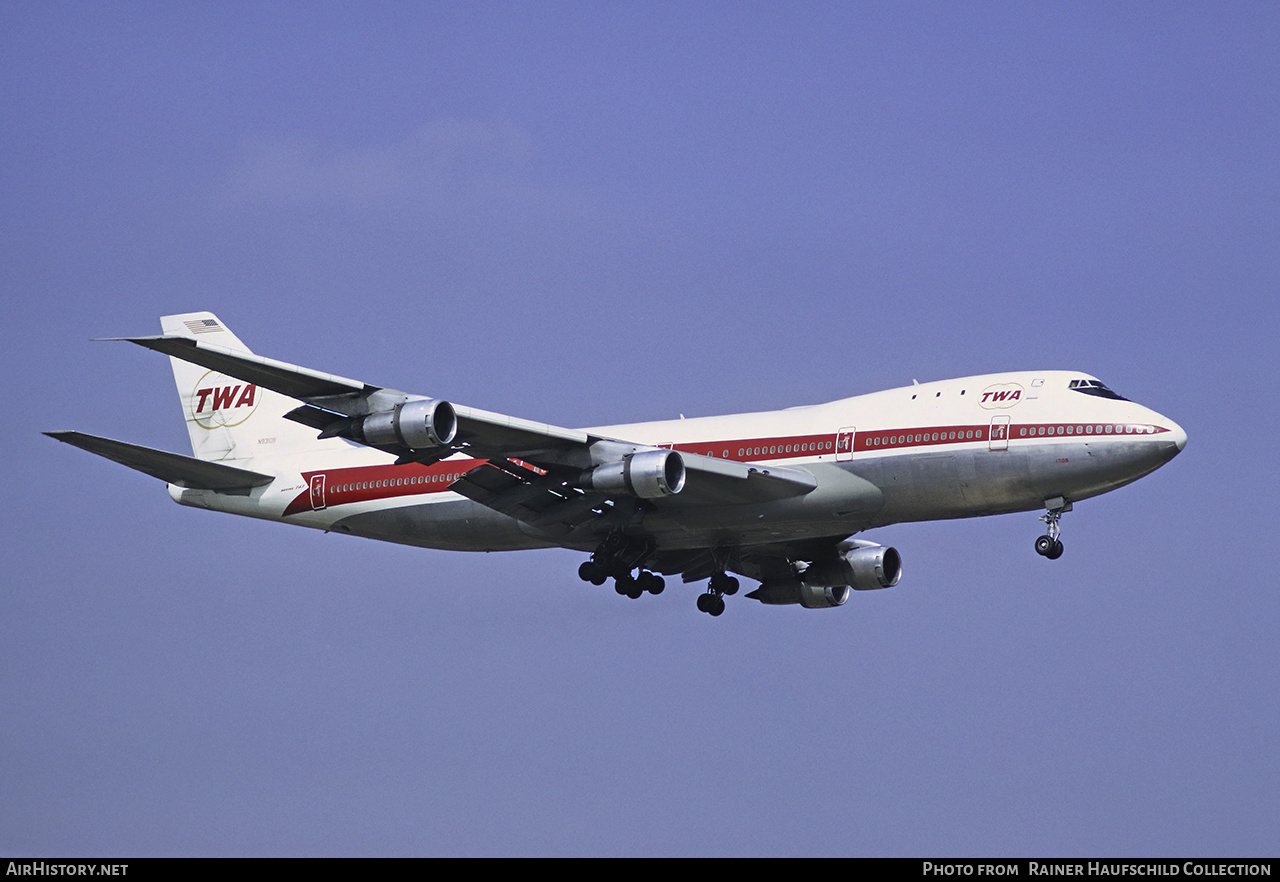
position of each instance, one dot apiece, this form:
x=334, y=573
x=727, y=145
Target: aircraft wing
x=185, y=471
x=329, y=398
x=714, y=481
x=332, y=404
x=287, y=379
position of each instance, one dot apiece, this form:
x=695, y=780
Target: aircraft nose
x=1178, y=436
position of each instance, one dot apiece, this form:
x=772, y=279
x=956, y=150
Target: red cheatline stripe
x=367, y=483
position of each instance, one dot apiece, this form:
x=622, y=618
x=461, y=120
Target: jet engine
x=863, y=566
x=825, y=583
x=414, y=425
x=651, y=474
x=777, y=592
x=823, y=597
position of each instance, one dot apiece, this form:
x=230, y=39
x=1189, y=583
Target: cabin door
x=1000, y=432
x=844, y=443
x=317, y=492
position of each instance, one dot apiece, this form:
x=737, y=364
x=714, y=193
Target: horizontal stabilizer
x=185, y=471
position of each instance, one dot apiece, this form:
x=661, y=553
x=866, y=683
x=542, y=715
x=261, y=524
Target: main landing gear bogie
x=624, y=583
x=720, y=586
x=712, y=604
x=636, y=586
x=617, y=557
x=623, y=561
x=646, y=582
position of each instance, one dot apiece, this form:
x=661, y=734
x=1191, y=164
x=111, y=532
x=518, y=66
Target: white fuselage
x=954, y=448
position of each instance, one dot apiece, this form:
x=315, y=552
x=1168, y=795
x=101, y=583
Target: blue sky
x=589, y=215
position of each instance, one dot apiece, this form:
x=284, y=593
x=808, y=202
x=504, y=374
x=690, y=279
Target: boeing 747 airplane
x=776, y=497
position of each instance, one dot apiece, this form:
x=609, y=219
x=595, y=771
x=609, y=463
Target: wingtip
x=141, y=341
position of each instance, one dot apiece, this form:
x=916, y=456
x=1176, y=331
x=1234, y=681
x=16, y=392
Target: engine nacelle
x=648, y=475
x=783, y=591
x=414, y=425
x=822, y=597
x=863, y=567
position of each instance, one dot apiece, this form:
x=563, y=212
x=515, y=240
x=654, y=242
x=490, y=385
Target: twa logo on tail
x=222, y=401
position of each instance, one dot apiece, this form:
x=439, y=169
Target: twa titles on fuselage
x=776, y=497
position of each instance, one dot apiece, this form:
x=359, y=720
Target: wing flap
x=544, y=502
x=173, y=468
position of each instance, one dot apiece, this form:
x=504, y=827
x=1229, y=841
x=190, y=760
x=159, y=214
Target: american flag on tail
x=203, y=326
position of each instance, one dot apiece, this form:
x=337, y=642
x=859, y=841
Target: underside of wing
x=769, y=561
x=547, y=502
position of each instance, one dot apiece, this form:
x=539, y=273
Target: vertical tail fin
x=229, y=419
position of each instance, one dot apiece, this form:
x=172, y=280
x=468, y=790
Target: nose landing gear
x=1049, y=545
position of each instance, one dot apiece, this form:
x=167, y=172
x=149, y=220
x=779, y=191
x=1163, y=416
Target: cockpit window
x=1095, y=387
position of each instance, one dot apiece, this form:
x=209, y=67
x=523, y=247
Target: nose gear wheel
x=1050, y=545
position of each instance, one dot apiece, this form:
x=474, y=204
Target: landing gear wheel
x=591, y=572
x=712, y=604
x=652, y=582
x=628, y=586
x=1049, y=545
x=722, y=583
